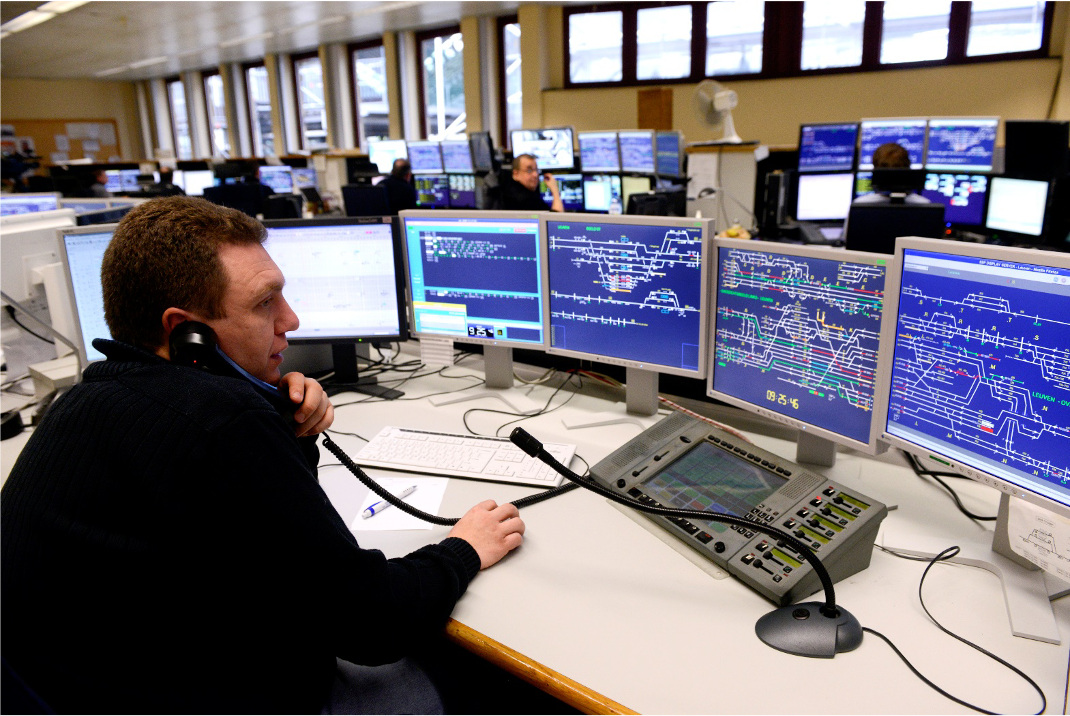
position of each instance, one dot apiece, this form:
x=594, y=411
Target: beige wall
x=770, y=111
x=77, y=99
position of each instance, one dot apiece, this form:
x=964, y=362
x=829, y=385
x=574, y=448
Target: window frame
x=302, y=137
x=354, y=95
x=245, y=67
x=167, y=82
x=420, y=37
x=503, y=105
x=782, y=43
x=205, y=76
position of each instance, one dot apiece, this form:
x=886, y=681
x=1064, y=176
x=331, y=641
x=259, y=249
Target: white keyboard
x=452, y=455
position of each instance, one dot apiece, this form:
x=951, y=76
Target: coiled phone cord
x=416, y=512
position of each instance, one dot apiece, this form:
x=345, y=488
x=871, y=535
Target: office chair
x=874, y=227
x=283, y=206
x=247, y=198
x=365, y=200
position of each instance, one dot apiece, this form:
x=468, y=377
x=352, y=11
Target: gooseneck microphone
x=806, y=629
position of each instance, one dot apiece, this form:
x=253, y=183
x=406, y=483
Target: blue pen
x=377, y=507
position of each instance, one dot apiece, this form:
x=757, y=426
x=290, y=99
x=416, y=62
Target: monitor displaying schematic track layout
x=795, y=333
x=628, y=290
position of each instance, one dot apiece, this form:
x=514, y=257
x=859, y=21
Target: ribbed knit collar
x=119, y=356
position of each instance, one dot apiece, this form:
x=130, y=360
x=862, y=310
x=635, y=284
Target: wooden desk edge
x=557, y=685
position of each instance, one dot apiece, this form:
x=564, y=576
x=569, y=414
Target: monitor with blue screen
x=637, y=151
x=907, y=132
x=122, y=180
x=796, y=332
x=669, y=146
x=82, y=206
x=602, y=194
x=383, y=152
x=963, y=144
x=304, y=177
x=83, y=252
x=570, y=187
x=628, y=290
x=977, y=376
x=827, y=147
x=462, y=191
x=425, y=157
x=279, y=178
x=599, y=152
x=552, y=147
x=457, y=156
x=28, y=203
x=432, y=191
x=963, y=196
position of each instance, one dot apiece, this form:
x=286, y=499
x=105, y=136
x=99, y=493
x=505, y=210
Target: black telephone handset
x=193, y=344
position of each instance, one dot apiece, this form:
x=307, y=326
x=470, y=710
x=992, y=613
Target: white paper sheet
x=436, y=351
x=427, y=497
x=1040, y=536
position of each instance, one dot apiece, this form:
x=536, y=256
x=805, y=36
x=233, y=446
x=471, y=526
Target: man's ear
x=171, y=318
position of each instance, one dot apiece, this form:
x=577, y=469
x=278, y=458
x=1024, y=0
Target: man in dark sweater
x=523, y=191
x=166, y=544
x=400, y=193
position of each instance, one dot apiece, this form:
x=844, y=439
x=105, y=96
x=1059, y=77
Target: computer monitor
x=908, y=132
x=121, y=181
x=304, y=177
x=961, y=144
x=669, y=161
x=457, y=156
x=963, y=196
x=462, y=191
x=279, y=178
x=633, y=185
x=29, y=244
x=1017, y=207
x=432, y=191
x=875, y=227
x=82, y=252
x=28, y=203
x=827, y=147
x=477, y=277
x=344, y=280
x=796, y=332
x=637, y=151
x=82, y=206
x=383, y=152
x=195, y=182
x=482, y=151
x=425, y=157
x=824, y=197
x=977, y=345
x=602, y=193
x=599, y=151
x=364, y=200
x=552, y=148
x=103, y=216
x=570, y=187
x=631, y=291
x=1036, y=148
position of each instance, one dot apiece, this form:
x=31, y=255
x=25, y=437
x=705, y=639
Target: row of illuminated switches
x=826, y=519
x=776, y=560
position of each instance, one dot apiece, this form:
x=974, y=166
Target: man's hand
x=551, y=184
x=314, y=412
x=493, y=530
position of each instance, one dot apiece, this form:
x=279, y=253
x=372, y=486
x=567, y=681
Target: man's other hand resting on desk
x=166, y=544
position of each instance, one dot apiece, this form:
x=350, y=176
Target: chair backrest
x=365, y=200
x=247, y=198
x=283, y=206
x=874, y=227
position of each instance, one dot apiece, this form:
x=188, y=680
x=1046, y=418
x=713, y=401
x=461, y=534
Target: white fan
x=714, y=103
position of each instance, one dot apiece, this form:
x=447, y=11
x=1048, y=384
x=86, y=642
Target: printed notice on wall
x=1040, y=536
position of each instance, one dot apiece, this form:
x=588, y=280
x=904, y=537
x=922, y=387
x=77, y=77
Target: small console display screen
x=707, y=478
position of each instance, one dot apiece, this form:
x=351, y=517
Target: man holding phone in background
x=523, y=192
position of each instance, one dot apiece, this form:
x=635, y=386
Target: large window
x=372, y=109
x=311, y=108
x=442, y=60
x=509, y=70
x=259, y=107
x=215, y=104
x=627, y=43
x=176, y=101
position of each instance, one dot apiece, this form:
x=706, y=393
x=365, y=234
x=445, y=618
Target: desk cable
x=945, y=555
x=920, y=471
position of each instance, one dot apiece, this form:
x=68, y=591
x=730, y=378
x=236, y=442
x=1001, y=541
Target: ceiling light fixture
x=145, y=63
x=35, y=17
x=250, y=38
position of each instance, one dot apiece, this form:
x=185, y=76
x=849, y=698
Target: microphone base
x=802, y=629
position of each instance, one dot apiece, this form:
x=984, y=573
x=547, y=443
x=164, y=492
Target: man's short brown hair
x=165, y=253
x=891, y=156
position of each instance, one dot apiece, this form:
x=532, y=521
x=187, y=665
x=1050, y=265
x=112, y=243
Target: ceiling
x=100, y=40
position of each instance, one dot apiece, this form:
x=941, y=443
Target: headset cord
x=416, y=512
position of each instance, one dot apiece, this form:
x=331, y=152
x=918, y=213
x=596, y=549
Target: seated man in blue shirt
x=166, y=543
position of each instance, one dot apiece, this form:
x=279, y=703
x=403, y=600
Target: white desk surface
x=595, y=597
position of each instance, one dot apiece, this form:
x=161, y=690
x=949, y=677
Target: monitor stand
x=815, y=450
x=346, y=376
x=1028, y=591
x=498, y=371
x=641, y=404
